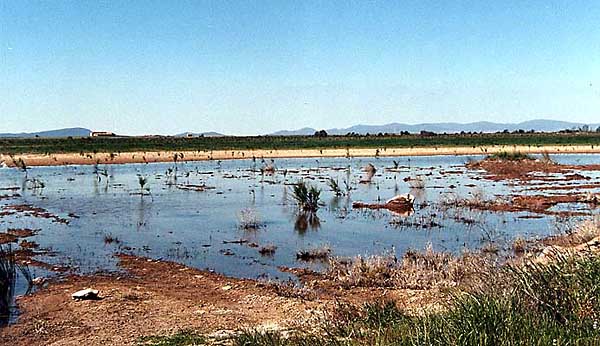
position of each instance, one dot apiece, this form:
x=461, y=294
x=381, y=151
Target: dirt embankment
x=161, y=298
x=168, y=156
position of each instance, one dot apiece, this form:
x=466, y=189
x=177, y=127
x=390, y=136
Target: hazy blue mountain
x=205, y=134
x=300, y=132
x=73, y=132
x=540, y=125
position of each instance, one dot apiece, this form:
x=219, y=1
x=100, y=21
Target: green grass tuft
x=182, y=338
x=510, y=156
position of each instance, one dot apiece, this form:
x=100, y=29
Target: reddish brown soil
x=395, y=207
x=32, y=211
x=565, y=187
x=542, y=175
x=514, y=169
x=22, y=232
x=528, y=169
x=12, y=235
x=6, y=238
x=158, y=298
x=540, y=204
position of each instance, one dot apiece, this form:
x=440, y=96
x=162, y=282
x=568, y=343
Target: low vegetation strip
x=159, y=143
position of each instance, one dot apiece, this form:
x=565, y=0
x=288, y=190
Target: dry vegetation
x=419, y=270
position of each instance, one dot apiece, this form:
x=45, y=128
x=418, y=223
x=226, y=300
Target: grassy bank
x=129, y=144
x=539, y=304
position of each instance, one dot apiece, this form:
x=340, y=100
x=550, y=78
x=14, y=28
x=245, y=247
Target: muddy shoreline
x=169, y=156
x=153, y=297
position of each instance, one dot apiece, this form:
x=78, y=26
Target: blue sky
x=252, y=67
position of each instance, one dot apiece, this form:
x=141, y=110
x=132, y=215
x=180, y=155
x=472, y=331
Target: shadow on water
x=9, y=273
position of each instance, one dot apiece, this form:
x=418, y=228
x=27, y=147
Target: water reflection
x=306, y=220
x=8, y=277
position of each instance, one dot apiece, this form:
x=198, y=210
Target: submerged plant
x=99, y=172
x=417, y=182
x=249, y=219
x=34, y=184
x=143, y=181
x=320, y=253
x=334, y=186
x=370, y=171
x=547, y=159
x=20, y=164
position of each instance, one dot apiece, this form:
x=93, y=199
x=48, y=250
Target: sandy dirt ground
x=160, y=298
x=167, y=156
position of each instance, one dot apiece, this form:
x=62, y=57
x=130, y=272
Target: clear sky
x=252, y=67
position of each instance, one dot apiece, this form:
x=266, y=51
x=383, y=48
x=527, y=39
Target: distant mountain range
x=73, y=132
x=481, y=126
x=540, y=125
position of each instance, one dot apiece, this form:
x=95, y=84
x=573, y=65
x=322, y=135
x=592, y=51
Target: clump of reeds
x=9, y=269
x=307, y=196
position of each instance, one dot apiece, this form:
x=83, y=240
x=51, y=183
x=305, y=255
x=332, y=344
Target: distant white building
x=102, y=134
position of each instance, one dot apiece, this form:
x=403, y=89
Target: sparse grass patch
x=182, y=338
x=416, y=270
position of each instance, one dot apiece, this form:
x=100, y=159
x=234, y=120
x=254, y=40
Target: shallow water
x=193, y=227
